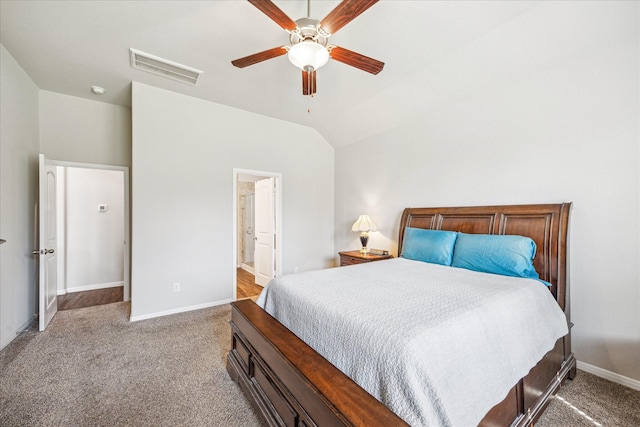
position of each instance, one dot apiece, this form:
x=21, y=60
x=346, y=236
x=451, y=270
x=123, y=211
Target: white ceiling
x=68, y=46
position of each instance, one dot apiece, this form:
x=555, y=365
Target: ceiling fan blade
x=273, y=12
x=259, y=57
x=355, y=59
x=308, y=82
x=344, y=13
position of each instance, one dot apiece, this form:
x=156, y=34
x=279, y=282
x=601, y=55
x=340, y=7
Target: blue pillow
x=509, y=255
x=434, y=246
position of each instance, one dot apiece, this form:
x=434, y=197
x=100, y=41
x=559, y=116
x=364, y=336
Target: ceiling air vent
x=165, y=68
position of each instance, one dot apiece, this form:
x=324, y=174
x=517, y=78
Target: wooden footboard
x=289, y=384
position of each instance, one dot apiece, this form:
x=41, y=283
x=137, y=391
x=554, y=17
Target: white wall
x=78, y=130
x=544, y=109
x=184, y=153
x=18, y=195
x=94, y=239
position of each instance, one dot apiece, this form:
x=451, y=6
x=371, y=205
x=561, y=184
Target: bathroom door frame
x=278, y=219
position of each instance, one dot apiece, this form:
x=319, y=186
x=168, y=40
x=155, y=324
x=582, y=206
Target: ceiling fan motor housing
x=308, y=30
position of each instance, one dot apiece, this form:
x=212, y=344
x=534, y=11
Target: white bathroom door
x=47, y=242
x=264, y=253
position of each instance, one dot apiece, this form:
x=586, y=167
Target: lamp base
x=364, y=239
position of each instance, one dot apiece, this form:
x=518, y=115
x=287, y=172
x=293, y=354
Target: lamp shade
x=308, y=54
x=364, y=223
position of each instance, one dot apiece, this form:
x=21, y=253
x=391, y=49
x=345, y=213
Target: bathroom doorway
x=257, y=221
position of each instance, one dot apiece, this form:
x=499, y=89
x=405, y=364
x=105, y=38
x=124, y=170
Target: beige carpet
x=590, y=401
x=92, y=367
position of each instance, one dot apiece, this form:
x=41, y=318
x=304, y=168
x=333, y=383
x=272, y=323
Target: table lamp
x=364, y=225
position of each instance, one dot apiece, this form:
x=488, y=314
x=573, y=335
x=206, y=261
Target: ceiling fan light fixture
x=308, y=54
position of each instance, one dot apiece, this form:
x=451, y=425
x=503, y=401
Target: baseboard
x=178, y=310
x=248, y=268
x=90, y=287
x=608, y=375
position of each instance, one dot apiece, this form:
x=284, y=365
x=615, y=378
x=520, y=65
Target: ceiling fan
x=309, y=48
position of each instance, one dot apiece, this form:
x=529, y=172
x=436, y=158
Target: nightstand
x=357, y=257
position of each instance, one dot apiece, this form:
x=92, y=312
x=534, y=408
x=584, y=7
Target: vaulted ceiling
x=68, y=46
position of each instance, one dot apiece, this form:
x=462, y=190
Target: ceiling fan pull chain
x=309, y=103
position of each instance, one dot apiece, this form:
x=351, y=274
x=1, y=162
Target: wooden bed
x=289, y=384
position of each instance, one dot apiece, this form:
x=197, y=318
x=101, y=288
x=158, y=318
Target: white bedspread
x=439, y=346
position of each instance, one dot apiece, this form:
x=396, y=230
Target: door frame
x=127, y=214
x=278, y=217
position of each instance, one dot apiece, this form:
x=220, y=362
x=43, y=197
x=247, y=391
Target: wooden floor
x=90, y=298
x=246, y=285
x=245, y=282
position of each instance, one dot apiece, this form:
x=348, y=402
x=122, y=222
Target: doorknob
x=43, y=251
x=2, y=241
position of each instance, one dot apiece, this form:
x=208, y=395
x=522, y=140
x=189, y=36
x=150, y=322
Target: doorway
x=257, y=225
x=91, y=221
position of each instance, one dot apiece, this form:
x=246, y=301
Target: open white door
x=47, y=242
x=264, y=255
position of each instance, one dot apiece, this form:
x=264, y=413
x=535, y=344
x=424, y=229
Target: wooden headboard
x=546, y=224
